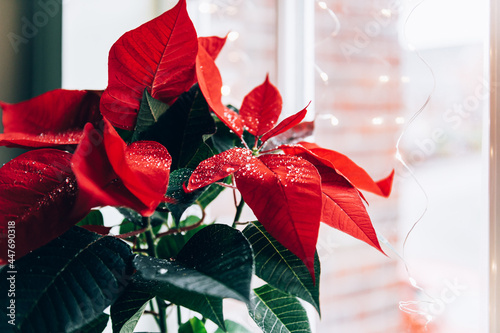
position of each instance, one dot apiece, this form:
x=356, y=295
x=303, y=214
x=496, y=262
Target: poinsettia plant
x=155, y=143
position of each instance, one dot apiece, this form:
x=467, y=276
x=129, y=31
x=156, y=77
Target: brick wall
x=359, y=111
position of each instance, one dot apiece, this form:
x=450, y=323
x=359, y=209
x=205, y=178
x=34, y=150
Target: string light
x=377, y=121
x=399, y=120
x=405, y=79
x=322, y=5
x=322, y=74
x=383, y=78
x=334, y=120
x=225, y=90
x=386, y=12
x=233, y=35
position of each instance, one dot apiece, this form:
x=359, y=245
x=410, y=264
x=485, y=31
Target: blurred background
x=393, y=84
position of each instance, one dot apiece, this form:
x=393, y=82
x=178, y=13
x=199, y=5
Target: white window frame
x=494, y=168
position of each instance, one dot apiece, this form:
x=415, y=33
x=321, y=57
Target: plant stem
x=162, y=321
x=163, y=314
x=239, y=209
x=179, y=316
x=149, y=237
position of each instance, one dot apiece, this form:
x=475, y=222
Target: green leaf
x=275, y=311
x=194, y=325
x=208, y=306
x=223, y=139
x=132, y=216
x=67, y=284
x=124, y=134
x=203, y=152
x=216, y=261
x=150, y=111
x=134, y=221
x=96, y=326
x=279, y=267
x=176, y=191
x=93, y=218
x=184, y=127
x=169, y=246
x=212, y=192
x=128, y=309
x=233, y=327
x=224, y=254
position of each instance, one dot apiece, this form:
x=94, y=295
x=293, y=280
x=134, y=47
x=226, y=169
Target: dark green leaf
x=194, y=325
x=124, y=134
x=233, y=327
x=176, y=191
x=149, y=113
x=223, y=139
x=132, y=216
x=183, y=127
x=224, y=254
x=134, y=221
x=249, y=138
x=279, y=267
x=67, y=284
x=276, y=311
x=170, y=245
x=128, y=309
x=93, y=218
x=208, y=306
x=212, y=192
x=203, y=152
x=216, y=261
x=96, y=326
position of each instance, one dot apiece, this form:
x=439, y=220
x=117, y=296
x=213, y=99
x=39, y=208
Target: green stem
x=155, y=315
x=239, y=209
x=162, y=313
x=179, y=316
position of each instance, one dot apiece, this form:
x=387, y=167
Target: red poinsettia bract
x=290, y=192
x=37, y=195
x=45, y=192
x=158, y=56
x=110, y=172
x=341, y=180
x=55, y=118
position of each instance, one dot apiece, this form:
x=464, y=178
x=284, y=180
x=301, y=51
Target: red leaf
x=210, y=83
x=284, y=192
x=356, y=175
x=37, y=194
x=218, y=167
x=54, y=118
x=159, y=55
x=213, y=45
x=111, y=173
x=261, y=108
x=343, y=208
x=285, y=125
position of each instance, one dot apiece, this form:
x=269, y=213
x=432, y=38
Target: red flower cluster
x=290, y=189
